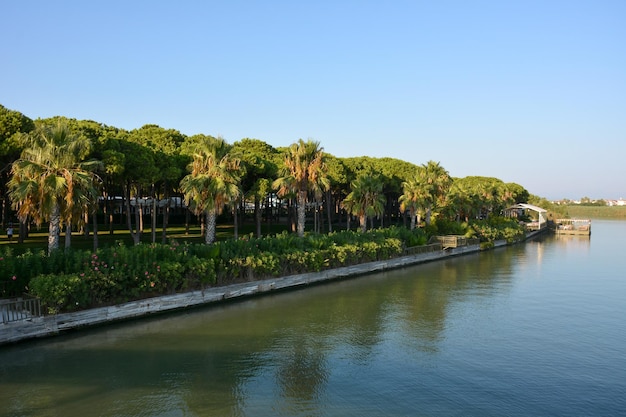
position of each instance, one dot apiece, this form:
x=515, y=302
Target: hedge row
x=75, y=279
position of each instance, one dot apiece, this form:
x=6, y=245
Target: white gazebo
x=539, y=215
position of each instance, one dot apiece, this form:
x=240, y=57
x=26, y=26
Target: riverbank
x=47, y=326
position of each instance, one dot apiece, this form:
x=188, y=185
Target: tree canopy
x=156, y=164
x=52, y=181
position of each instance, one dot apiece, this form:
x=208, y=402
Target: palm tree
x=212, y=182
x=303, y=172
x=438, y=181
x=506, y=197
x=51, y=178
x=488, y=194
x=415, y=195
x=366, y=199
x=84, y=201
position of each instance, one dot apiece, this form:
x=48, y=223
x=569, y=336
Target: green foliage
x=52, y=181
x=71, y=280
x=486, y=245
x=449, y=227
x=303, y=172
x=12, y=125
x=498, y=228
x=14, y=273
x=258, y=258
x=431, y=229
x=74, y=279
x=489, y=230
x=111, y=275
x=591, y=212
x=60, y=292
x=366, y=199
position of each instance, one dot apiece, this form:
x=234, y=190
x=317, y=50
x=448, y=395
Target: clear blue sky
x=531, y=92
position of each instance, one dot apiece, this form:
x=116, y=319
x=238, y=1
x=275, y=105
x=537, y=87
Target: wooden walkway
x=454, y=241
x=573, y=227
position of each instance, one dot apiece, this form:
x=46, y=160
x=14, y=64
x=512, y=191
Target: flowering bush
x=116, y=274
x=69, y=280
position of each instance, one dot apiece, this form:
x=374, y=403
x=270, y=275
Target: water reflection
x=204, y=360
x=209, y=359
x=361, y=346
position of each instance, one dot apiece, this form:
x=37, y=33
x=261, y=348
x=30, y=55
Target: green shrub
x=486, y=245
x=69, y=280
x=498, y=228
x=449, y=227
x=60, y=292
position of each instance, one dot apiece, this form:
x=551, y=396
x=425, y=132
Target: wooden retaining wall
x=52, y=325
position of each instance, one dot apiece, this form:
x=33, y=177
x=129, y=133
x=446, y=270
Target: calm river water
x=536, y=329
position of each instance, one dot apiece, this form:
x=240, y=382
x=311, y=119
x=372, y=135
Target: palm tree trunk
x=269, y=213
x=363, y=223
x=209, y=236
x=95, y=231
x=412, y=219
x=86, y=223
x=166, y=213
x=139, y=217
x=68, y=235
x=235, y=221
x=291, y=214
x=54, y=229
x=301, y=212
x=154, y=214
x=166, y=220
x=5, y=209
x=23, y=228
x=134, y=234
x=329, y=204
x=257, y=215
x=187, y=217
x=105, y=211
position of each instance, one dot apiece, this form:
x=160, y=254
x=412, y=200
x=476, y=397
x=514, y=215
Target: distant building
x=620, y=202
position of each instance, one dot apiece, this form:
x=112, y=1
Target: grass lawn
x=38, y=238
x=597, y=212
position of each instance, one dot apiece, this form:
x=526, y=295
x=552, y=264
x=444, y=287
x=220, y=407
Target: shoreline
x=49, y=326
